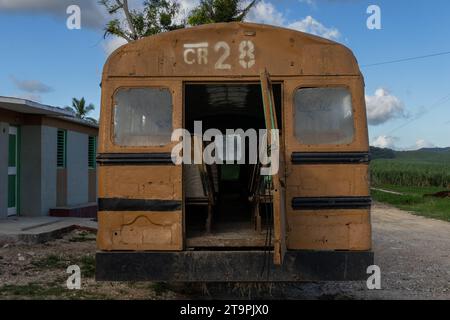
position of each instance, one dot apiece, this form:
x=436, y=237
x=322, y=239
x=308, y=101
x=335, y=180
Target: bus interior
x=227, y=205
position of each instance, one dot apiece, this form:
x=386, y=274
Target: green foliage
x=81, y=110
x=87, y=266
x=414, y=174
x=410, y=173
x=156, y=17
x=413, y=199
x=381, y=153
x=213, y=11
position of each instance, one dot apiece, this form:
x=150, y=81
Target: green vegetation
x=157, y=16
x=410, y=173
x=53, y=261
x=87, y=266
x=83, y=236
x=213, y=11
x=413, y=199
x=415, y=175
x=81, y=110
x=53, y=290
x=159, y=287
x=32, y=290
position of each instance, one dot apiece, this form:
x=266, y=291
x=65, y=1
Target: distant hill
x=435, y=149
x=425, y=155
x=381, y=153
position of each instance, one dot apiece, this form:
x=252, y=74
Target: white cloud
x=31, y=86
x=383, y=106
x=187, y=5
x=311, y=25
x=112, y=43
x=385, y=142
x=265, y=12
x=422, y=143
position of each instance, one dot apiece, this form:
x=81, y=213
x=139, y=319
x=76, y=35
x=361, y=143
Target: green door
x=13, y=158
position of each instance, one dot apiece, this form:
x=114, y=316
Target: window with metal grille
x=92, y=152
x=61, y=149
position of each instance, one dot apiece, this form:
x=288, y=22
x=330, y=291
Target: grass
x=31, y=290
x=412, y=199
x=410, y=173
x=83, y=236
x=159, y=288
x=57, y=287
x=414, y=174
x=55, y=290
x=87, y=266
x=53, y=261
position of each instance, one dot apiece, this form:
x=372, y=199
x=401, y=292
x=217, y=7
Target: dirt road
x=413, y=253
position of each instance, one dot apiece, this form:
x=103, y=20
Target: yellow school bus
x=165, y=220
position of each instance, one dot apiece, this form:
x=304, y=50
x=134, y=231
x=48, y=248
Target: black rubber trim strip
x=331, y=203
x=330, y=157
x=134, y=159
x=118, y=204
x=232, y=266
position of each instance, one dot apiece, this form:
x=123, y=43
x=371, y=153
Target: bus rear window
x=323, y=116
x=142, y=117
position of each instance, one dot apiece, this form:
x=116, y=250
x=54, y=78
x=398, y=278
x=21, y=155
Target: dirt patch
x=413, y=253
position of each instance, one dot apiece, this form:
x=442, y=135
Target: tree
x=81, y=110
x=213, y=11
x=156, y=17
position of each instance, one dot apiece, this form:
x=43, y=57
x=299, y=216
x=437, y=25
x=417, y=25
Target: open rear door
x=278, y=185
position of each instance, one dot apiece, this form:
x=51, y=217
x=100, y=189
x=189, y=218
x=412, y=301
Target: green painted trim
x=92, y=152
x=18, y=172
x=16, y=161
x=64, y=156
x=65, y=148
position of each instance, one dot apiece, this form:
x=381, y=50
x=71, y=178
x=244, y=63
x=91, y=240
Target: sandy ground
x=413, y=253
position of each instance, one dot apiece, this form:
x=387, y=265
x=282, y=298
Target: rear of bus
x=165, y=221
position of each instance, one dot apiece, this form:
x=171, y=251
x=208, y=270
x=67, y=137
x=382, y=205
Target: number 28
x=246, y=55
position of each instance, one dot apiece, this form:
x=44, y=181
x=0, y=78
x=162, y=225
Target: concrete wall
x=30, y=171
x=38, y=170
x=77, y=168
x=48, y=167
x=4, y=141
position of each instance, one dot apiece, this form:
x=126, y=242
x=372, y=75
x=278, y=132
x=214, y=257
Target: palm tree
x=81, y=110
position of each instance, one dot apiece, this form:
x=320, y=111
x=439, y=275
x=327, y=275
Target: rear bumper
x=232, y=266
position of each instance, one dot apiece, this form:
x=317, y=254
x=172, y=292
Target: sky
x=408, y=102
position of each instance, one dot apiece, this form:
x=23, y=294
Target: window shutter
x=61, y=149
x=92, y=152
